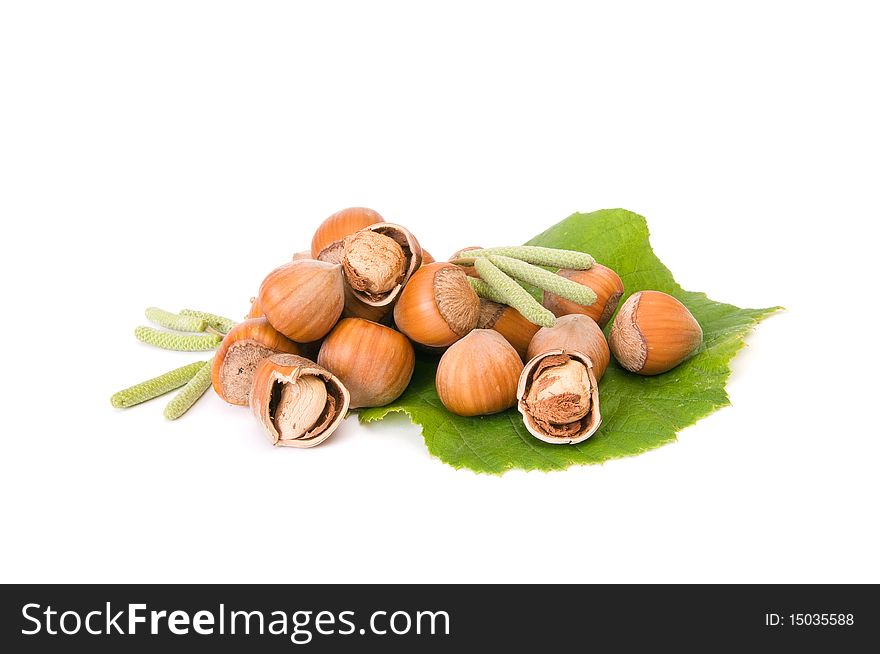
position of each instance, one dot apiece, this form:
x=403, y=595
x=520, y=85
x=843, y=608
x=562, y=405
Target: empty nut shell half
x=298, y=403
x=558, y=397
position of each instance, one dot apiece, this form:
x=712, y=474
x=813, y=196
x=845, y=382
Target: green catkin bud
x=483, y=290
x=179, y=342
x=190, y=393
x=219, y=323
x=155, y=387
x=538, y=256
x=176, y=322
x=513, y=294
x=545, y=279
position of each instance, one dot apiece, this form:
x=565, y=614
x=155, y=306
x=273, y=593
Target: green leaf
x=638, y=413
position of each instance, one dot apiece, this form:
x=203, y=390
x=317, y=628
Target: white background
x=172, y=153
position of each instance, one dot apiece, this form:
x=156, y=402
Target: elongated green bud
x=155, y=387
x=190, y=393
x=179, y=342
x=538, y=256
x=483, y=290
x=513, y=294
x=219, y=323
x=545, y=279
x=174, y=321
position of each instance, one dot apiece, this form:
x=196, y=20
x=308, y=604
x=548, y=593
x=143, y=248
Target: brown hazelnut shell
x=510, y=323
x=303, y=299
x=256, y=311
x=374, y=362
x=377, y=308
x=586, y=427
x=342, y=223
x=653, y=332
x=280, y=369
x=605, y=283
x=240, y=353
x=574, y=333
x=438, y=306
x=412, y=253
x=479, y=374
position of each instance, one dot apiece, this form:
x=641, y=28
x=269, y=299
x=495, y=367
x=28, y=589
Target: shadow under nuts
x=574, y=333
x=298, y=403
x=374, y=362
x=559, y=397
x=239, y=354
x=479, y=374
x=303, y=299
x=653, y=332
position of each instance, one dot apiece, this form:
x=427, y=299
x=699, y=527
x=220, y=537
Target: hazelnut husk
x=653, y=332
x=298, y=403
x=303, y=299
x=510, y=323
x=239, y=354
x=558, y=397
x=438, y=306
x=478, y=375
x=574, y=333
x=374, y=362
x=605, y=283
x=342, y=223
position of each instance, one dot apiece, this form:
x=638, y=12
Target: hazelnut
x=341, y=224
x=479, y=374
x=298, y=403
x=574, y=333
x=438, y=306
x=239, y=354
x=653, y=332
x=508, y=322
x=377, y=262
x=374, y=362
x=303, y=299
x=559, y=398
x=605, y=283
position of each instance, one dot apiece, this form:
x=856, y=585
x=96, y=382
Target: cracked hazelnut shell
x=574, y=333
x=298, y=403
x=558, y=397
x=239, y=354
